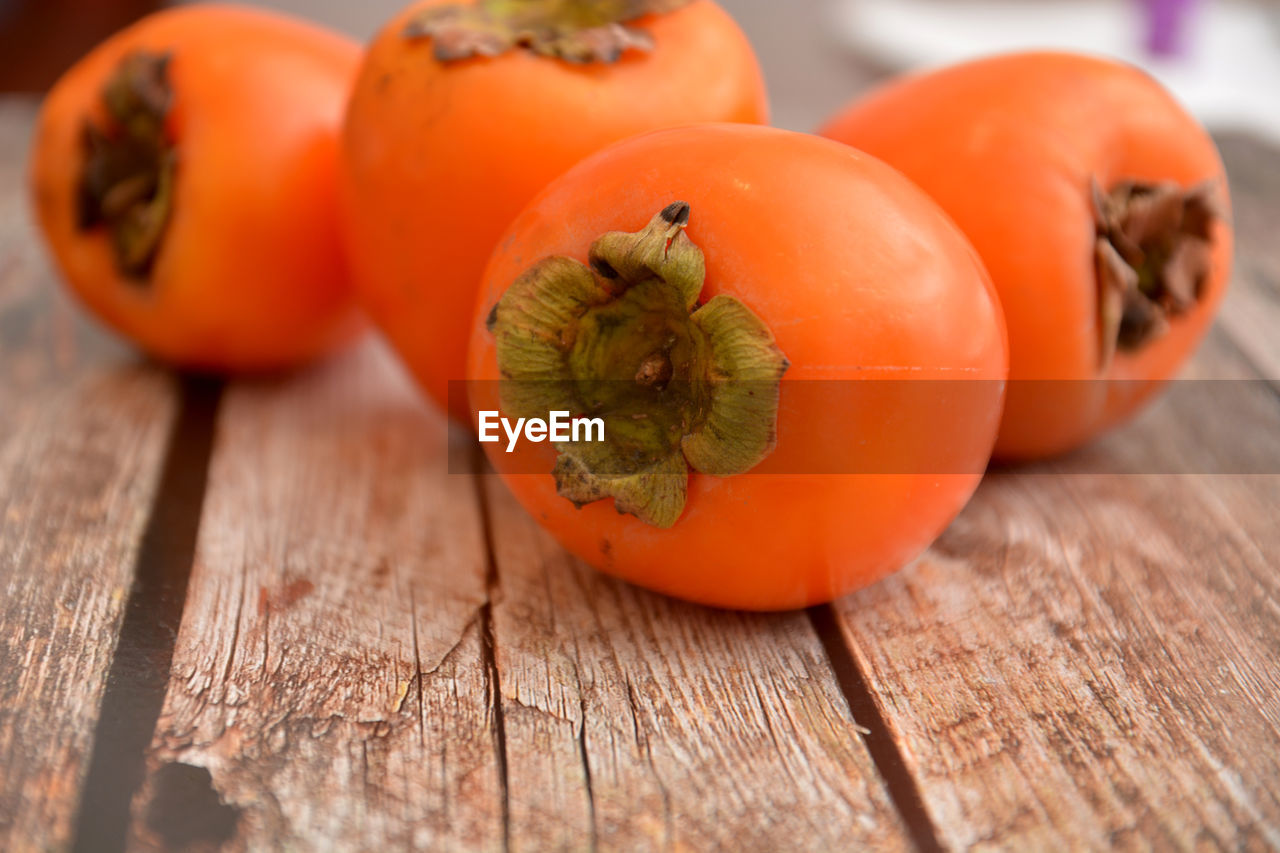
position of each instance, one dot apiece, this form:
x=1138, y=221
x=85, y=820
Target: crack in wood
x=235, y=632
x=493, y=687
x=594, y=840
x=139, y=673
x=488, y=647
x=904, y=791
x=642, y=743
x=456, y=647
x=417, y=665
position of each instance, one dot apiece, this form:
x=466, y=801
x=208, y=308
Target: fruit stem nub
x=130, y=164
x=681, y=386
x=1152, y=256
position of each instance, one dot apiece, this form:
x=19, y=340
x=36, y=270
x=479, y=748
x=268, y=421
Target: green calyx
x=573, y=30
x=679, y=386
x=1152, y=257
x=127, y=183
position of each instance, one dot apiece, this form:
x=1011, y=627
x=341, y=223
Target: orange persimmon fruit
x=797, y=359
x=463, y=111
x=184, y=174
x=1099, y=207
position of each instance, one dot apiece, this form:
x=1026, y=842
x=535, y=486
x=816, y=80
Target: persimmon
x=1100, y=208
x=184, y=174
x=463, y=111
x=747, y=310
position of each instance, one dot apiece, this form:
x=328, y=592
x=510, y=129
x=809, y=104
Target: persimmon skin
x=860, y=278
x=250, y=275
x=440, y=157
x=1008, y=147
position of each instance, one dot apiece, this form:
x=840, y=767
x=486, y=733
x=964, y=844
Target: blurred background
x=1221, y=57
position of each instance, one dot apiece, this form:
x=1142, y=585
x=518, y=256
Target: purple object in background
x=1168, y=24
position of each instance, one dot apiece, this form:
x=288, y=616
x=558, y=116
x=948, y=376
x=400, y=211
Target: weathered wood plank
x=634, y=721
x=1091, y=660
x=83, y=429
x=328, y=687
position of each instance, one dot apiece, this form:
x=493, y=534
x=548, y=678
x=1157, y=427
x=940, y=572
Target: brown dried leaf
x=1152, y=216
x=1152, y=258
x=1115, y=279
x=579, y=31
x=1184, y=274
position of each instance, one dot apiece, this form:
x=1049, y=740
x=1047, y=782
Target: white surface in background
x=1228, y=78
x=360, y=19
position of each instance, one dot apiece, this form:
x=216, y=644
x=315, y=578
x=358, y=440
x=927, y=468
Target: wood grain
x=1089, y=660
x=328, y=687
x=633, y=721
x=83, y=430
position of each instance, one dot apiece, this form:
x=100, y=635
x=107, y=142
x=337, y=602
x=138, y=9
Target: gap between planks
x=902, y=787
x=140, y=668
x=488, y=645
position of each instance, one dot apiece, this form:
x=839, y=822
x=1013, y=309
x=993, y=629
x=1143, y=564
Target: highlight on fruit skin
x=462, y=112
x=799, y=359
x=1100, y=208
x=184, y=177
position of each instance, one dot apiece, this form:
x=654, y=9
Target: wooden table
x=265, y=615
